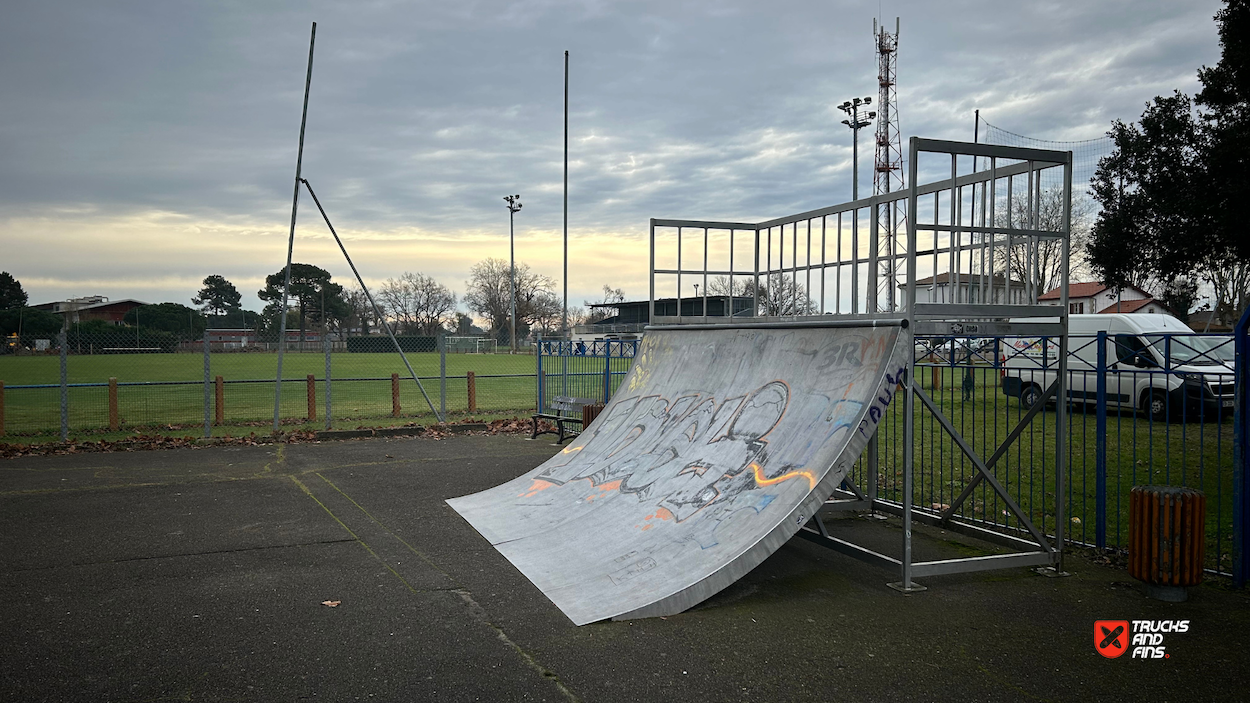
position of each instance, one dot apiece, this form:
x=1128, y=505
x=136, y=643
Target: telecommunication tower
x=887, y=173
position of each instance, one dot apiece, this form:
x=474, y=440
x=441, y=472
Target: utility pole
x=514, y=204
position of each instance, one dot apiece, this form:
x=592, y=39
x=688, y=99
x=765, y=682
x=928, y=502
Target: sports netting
x=1085, y=153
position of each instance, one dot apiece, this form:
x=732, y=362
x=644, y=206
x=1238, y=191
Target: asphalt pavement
x=335, y=571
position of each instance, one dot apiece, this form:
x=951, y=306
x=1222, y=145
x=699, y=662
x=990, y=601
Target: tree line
x=1171, y=190
x=412, y=304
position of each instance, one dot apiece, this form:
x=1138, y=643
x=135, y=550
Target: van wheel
x=1029, y=395
x=1155, y=405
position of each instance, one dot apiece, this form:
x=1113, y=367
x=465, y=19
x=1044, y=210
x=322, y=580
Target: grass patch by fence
x=1139, y=451
x=157, y=390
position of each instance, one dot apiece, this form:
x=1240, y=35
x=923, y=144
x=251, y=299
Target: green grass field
x=23, y=370
x=35, y=413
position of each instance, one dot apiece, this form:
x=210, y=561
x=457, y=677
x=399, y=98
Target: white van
x=1181, y=377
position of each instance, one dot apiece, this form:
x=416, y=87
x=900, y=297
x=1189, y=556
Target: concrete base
x=912, y=587
x=1167, y=594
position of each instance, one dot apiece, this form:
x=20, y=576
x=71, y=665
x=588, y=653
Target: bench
x=562, y=407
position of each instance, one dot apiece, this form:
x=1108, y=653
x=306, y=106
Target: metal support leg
x=872, y=460
x=906, y=585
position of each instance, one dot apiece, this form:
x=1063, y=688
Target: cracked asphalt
x=200, y=575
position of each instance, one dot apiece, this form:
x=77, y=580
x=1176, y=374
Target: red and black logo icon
x=1111, y=637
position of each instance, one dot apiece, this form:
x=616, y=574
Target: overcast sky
x=146, y=145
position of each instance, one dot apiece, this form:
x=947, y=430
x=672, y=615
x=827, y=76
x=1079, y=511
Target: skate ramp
x=718, y=446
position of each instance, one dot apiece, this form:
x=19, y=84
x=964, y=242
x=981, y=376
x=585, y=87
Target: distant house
x=92, y=307
x=1095, y=298
x=970, y=288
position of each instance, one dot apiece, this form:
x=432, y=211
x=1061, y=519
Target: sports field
x=159, y=390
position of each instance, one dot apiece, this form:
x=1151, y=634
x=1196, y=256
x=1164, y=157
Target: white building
x=1092, y=298
x=970, y=288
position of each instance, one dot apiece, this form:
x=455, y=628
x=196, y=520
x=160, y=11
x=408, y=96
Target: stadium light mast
x=514, y=204
x=851, y=108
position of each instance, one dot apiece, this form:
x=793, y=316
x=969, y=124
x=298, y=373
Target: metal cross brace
x=983, y=468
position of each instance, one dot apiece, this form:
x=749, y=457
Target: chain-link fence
x=100, y=383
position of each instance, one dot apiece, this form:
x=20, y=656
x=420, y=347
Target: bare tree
x=1043, y=262
x=719, y=285
x=545, y=312
x=610, y=296
x=488, y=294
x=780, y=294
x=418, y=303
x=361, y=315
x=578, y=316
x=1231, y=283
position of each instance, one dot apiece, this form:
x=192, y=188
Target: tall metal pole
x=851, y=108
x=290, y=245
x=512, y=279
x=514, y=204
x=855, y=160
x=565, y=323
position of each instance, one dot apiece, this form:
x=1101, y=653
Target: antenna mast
x=887, y=175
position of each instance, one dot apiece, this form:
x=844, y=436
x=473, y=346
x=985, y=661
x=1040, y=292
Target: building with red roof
x=1092, y=298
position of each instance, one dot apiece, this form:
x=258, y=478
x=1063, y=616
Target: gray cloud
x=423, y=115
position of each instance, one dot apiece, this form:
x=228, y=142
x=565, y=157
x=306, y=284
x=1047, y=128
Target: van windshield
x=1194, y=350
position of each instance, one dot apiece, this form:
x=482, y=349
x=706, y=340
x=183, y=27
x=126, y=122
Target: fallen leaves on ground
x=143, y=442
x=331, y=603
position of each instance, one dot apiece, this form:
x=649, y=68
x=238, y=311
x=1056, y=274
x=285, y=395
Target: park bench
x=563, y=409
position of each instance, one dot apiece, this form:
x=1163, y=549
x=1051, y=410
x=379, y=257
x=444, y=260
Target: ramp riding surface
x=721, y=442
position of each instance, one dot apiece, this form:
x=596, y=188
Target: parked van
x=1155, y=364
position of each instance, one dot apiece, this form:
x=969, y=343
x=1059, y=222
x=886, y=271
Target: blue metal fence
x=1241, y=455
x=581, y=369
x=1155, y=413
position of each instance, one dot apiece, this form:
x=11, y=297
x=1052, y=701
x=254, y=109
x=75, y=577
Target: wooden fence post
x=471, y=382
x=394, y=395
x=220, y=411
x=114, y=419
x=312, y=398
x=1, y=408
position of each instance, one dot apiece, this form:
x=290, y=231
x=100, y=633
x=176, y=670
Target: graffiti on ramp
x=716, y=448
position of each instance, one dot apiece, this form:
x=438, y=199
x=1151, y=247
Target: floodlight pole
x=565, y=320
x=290, y=245
x=514, y=204
x=851, y=108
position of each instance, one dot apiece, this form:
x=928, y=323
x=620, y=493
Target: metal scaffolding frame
x=986, y=202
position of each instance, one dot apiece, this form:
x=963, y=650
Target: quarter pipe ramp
x=721, y=442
